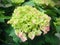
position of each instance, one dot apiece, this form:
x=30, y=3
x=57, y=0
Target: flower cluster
x=46, y=2
x=17, y=1
x=29, y=22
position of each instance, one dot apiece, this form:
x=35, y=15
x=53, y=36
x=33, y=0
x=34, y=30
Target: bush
x=29, y=22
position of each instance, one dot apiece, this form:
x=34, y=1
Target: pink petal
x=22, y=37
x=47, y=28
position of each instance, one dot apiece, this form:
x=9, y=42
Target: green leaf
x=2, y=17
x=29, y=3
x=10, y=31
x=53, y=40
x=57, y=10
x=58, y=29
x=15, y=38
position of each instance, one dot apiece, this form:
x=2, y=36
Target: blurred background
x=51, y=8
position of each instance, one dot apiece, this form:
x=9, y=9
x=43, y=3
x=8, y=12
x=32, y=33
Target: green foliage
x=13, y=10
x=52, y=40
x=2, y=16
x=57, y=24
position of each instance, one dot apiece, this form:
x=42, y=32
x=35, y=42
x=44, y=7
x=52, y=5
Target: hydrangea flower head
x=46, y=2
x=29, y=22
x=17, y=1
